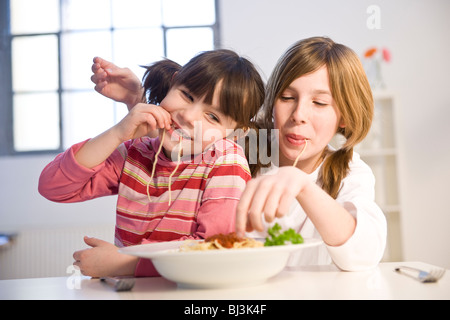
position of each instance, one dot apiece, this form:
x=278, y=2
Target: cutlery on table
x=421, y=275
x=119, y=283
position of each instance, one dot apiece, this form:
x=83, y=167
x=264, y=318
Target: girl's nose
x=190, y=114
x=301, y=112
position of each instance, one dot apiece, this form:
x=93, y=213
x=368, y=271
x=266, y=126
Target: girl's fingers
x=242, y=221
x=284, y=205
x=272, y=202
x=162, y=118
x=257, y=205
x=155, y=116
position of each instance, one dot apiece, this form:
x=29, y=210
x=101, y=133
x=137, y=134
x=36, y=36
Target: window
x=50, y=101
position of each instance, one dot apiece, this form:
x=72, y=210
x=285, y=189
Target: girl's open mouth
x=177, y=132
x=296, y=140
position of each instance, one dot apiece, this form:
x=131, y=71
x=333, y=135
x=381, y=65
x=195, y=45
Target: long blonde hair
x=349, y=88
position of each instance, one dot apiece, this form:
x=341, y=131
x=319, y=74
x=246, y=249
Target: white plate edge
x=139, y=250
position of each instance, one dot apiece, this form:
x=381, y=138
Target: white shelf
x=379, y=151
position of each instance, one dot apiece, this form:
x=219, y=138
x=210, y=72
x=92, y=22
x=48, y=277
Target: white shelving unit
x=380, y=151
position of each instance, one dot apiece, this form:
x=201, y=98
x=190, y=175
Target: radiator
x=46, y=252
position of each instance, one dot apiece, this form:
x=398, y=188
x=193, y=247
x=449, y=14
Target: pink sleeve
x=64, y=180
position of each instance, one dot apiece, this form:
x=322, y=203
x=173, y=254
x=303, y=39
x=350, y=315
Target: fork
x=119, y=283
x=421, y=275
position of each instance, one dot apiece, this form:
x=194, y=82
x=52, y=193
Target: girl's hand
x=103, y=259
x=143, y=119
x=269, y=195
x=119, y=84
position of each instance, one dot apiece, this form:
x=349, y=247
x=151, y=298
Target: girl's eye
x=187, y=95
x=213, y=117
x=286, y=98
x=320, y=104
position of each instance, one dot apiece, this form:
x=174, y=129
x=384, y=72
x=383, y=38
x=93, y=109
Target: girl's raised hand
x=143, y=119
x=119, y=84
x=270, y=196
x=139, y=122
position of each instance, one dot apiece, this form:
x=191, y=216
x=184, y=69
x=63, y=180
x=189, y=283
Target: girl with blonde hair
x=318, y=89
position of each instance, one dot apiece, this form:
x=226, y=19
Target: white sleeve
x=366, y=246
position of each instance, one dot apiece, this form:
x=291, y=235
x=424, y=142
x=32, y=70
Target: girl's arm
x=92, y=169
x=140, y=121
x=273, y=194
x=64, y=180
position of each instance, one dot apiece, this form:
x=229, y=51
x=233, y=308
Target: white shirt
x=365, y=247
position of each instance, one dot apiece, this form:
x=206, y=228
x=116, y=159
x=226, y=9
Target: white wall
x=416, y=32
x=23, y=208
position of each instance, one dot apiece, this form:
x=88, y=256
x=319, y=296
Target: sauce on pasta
x=221, y=242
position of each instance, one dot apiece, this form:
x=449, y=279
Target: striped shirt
x=204, y=190
x=214, y=179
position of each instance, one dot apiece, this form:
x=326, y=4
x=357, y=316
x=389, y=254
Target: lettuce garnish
x=278, y=238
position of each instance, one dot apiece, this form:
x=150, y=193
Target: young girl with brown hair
x=183, y=184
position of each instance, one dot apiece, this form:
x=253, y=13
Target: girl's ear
x=342, y=123
x=174, y=74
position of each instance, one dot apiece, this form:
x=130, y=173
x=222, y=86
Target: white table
x=314, y=282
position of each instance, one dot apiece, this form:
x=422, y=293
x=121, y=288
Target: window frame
x=6, y=77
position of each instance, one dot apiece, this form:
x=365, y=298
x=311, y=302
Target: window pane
x=86, y=14
x=35, y=63
x=188, y=13
x=183, y=44
x=78, y=51
x=85, y=115
x=31, y=16
x=133, y=48
x=36, y=122
x=120, y=112
x=136, y=13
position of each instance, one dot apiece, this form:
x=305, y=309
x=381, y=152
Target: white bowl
x=217, y=268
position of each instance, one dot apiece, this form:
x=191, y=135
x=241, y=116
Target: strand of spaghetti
x=176, y=168
x=154, y=165
x=301, y=153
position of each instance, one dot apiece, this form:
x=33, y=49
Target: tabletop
x=312, y=282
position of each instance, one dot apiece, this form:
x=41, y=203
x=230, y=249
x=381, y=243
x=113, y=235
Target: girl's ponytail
x=335, y=168
x=157, y=80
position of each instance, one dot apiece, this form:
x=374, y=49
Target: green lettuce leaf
x=278, y=238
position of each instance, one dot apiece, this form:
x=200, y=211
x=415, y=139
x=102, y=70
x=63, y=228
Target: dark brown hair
x=242, y=89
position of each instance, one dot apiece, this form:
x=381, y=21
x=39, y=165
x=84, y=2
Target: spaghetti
x=301, y=153
x=173, y=172
x=221, y=242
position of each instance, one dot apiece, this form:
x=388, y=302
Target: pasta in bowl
x=210, y=264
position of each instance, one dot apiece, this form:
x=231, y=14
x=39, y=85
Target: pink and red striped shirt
x=204, y=191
